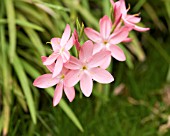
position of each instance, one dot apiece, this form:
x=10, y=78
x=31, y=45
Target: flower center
x=105, y=42
x=61, y=50
x=62, y=76
x=84, y=68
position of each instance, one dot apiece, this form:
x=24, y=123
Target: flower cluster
x=94, y=55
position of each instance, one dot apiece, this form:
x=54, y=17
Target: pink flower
x=107, y=41
x=61, y=49
x=86, y=69
x=47, y=80
x=120, y=12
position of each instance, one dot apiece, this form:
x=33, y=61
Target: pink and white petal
x=119, y=36
x=58, y=94
x=128, y=24
x=65, y=35
x=117, y=13
x=93, y=35
x=55, y=42
x=70, y=93
x=98, y=58
x=97, y=48
x=101, y=75
x=86, y=84
x=70, y=43
x=133, y=19
x=127, y=40
x=117, y=53
x=64, y=71
x=49, y=67
x=106, y=63
x=105, y=26
x=140, y=29
x=58, y=66
x=86, y=50
x=65, y=56
x=72, y=78
x=73, y=63
x=51, y=58
x=45, y=81
x=123, y=7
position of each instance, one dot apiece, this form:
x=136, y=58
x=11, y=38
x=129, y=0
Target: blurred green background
x=135, y=104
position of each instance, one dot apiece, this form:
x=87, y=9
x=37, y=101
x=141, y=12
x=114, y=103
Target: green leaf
x=53, y=6
x=168, y=75
x=6, y=76
x=34, y=38
x=1, y=123
x=11, y=27
x=128, y=55
x=24, y=23
x=20, y=97
x=25, y=86
x=136, y=48
x=70, y=114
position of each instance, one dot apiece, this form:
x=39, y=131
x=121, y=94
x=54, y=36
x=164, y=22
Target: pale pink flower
x=105, y=40
x=86, y=69
x=120, y=13
x=61, y=52
x=47, y=80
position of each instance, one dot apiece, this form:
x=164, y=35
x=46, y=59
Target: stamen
x=48, y=42
x=128, y=7
x=84, y=68
x=62, y=76
x=136, y=15
x=105, y=42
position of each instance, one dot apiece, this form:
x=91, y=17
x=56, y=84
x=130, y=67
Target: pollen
x=84, y=68
x=105, y=42
x=62, y=76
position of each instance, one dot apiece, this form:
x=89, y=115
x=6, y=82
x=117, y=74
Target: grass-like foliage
x=137, y=103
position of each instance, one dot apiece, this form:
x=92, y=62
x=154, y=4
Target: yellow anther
x=48, y=42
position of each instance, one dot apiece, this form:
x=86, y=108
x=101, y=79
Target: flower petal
x=86, y=50
x=55, y=42
x=117, y=53
x=123, y=7
x=127, y=40
x=97, y=48
x=51, y=58
x=72, y=78
x=101, y=75
x=65, y=35
x=73, y=63
x=58, y=94
x=133, y=19
x=58, y=66
x=65, y=56
x=105, y=26
x=98, y=58
x=70, y=93
x=120, y=35
x=70, y=43
x=140, y=29
x=106, y=63
x=49, y=67
x=92, y=34
x=45, y=81
x=86, y=84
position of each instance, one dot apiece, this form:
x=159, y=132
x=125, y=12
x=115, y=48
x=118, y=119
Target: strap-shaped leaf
x=25, y=86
